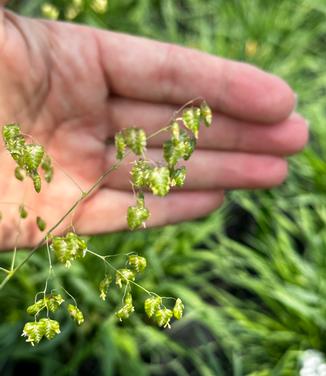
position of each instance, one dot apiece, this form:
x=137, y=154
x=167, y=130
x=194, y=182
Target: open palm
x=72, y=87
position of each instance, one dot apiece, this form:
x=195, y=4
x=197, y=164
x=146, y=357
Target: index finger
x=159, y=72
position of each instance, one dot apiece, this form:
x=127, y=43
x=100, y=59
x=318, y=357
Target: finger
x=159, y=72
x=107, y=209
x=283, y=138
x=213, y=170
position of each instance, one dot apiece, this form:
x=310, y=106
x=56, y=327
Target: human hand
x=73, y=87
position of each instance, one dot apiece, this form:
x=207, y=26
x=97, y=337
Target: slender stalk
x=71, y=296
x=50, y=267
x=174, y=117
x=13, y=260
x=117, y=271
x=159, y=131
x=125, y=292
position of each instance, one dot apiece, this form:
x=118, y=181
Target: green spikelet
x=40, y=223
x=175, y=131
x=191, y=120
x=33, y=155
x=140, y=173
x=178, y=309
x=34, y=331
x=37, y=182
x=175, y=149
x=23, y=213
x=206, y=114
x=16, y=148
x=178, y=177
x=10, y=131
x=19, y=173
x=61, y=250
x=29, y=157
x=68, y=248
x=137, y=215
x=48, y=175
x=172, y=152
x=125, y=311
x=135, y=139
x=151, y=305
x=159, y=181
x=123, y=276
x=14, y=142
x=188, y=146
x=120, y=145
x=50, y=302
x=76, y=314
x=53, y=302
x=47, y=168
x=163, y=316
x=104, y=285
x=138, y=263
x=77, y=245
x=35, y=308
x=50, y=327
x=130, y=136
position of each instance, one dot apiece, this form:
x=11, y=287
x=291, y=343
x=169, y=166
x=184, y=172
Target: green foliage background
x=253, y=274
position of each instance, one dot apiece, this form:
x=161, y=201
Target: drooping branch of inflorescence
x=160, y=177
x=146, y=175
